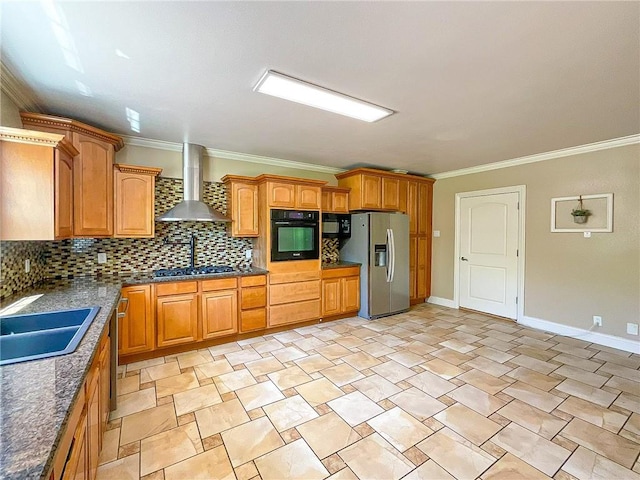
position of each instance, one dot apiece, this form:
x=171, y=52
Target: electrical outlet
x=248, y=254
x=597, y=321
x=27, y=265
x=587, y=234
x=102, y=258
x=632, y=328
x=436, y=233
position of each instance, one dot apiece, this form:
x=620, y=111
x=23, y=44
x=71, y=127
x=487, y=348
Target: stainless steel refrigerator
x=380, y=242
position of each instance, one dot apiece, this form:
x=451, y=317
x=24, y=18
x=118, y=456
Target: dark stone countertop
x=339, y=264
x=147, y=277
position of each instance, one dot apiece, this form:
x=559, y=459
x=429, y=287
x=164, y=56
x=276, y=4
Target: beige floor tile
x=314, y=363
x=164, y=370
x=583, y=376
x=399, y=428
x=408, y=359
x=126, y=468
x=586, y=392
x=442, y=368
x=535, y=379
x=196, y=399
x=176, y=384
x=144, y=364
x=229, y=382
x=510, y=467
x=213, y=463
x=620, y=371
x=393, y=371
x=459, y=457
x=451, y=356
x=166, y=448
x=429, y=470
x=319, y=391
x=533, y=449
x=585, y=464
x=288, y=337
x=477, y=400
x=484, y=381
x=468, y=423
x=592, y=413
x=488, y=366
x=147, y=423
x=493, y=354
x=533, y=396
x=614, y=447
x=264, y=366
x=574, y=350
x=629, y=402
x=212, y=369
x=431, y=384
x=333, y=352
x=310, y=343
x=344, y=474
x=458, y=346
x=251, y=440
x=534, y=364
x=259, y=395
x=328, y=434
x=289, y=377
x=376, y=387
x=349, y=341
x=221, y=417
x=583, y=363
x=625, y=360
x=418, y=347
x=496, y=344
x=373, y=457
x=224, y=348
x=293, y=461
x=624, y=385
x=535, y=353
x=361, y=360
x=342, y=374
x=376, y=349
x=289, y=413
x=186, y=360
x=289, y=354
x=355, y=408
x=242, y=356
x=110, y=445
x=531, y=418
x=633, y=424
x=418, y=403
x=268, y=346
x=134, y=402
x=128, y=384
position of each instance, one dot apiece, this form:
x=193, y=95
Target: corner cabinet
x=340, y=291
x=134, y=196
x=36, y=170
x=242, y=201
x=92, y=171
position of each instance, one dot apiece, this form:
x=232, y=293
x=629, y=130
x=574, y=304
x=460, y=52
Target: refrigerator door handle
x=389, y=258
x=393, y=255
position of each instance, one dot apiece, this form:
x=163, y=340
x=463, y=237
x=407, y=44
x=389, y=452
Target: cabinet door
x=63, y=191
x=105, y=387
x=134, y=197
x=308, y=197
x=136, y=326
x=76, y=467
x=331, y=297
x=177, y=319
x=390, y=193
x=424, y=208
x=326, y=201
x=93, y=424
x=282, y=195
x=421, y=268
x=244, y=210
x=255, y=319
x=413, y=264
x=219, y=313
x=340, y=202
x=412, y=207
x=92, y=187
x=351, y=294
x=371, y=191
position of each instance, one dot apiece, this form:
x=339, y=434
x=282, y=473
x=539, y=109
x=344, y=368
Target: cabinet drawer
x=219, y=284
x=294, y=312
x=253, y=320
x=276, y=278
x=176, y=288
x=253, y=297
x=341, y=272
x=253, y=281
x=294, y=292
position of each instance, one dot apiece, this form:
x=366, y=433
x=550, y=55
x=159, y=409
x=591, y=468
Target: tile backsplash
x=13, y=278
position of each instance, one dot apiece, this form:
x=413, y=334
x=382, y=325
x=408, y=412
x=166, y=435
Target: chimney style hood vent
x=192, y=208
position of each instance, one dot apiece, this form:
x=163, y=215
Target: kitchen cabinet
x=36, y=180
x=308, y=197
x=93, y=422
x=105, y=387
x=92, y=171
x=77, y=467
x=294, y=296
x=242, y=205
x=335, y=200
x=253, y=303
x=390, y=194
x=177, y=319
x=340, y=291
x=136, y=330
x=134, y=194
x=219, y=302
x=290, y=193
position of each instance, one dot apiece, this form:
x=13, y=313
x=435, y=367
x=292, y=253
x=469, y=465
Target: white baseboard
x=443, y=302
x=620, y=343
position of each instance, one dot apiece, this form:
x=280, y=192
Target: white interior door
x=488, y=260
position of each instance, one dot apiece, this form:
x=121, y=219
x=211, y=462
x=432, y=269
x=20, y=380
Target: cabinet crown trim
x=383, y=173
x=29, y=118
x=331, y=188
x=124, y=168
x=238, y=178
x=295, y=180
x=54, y=140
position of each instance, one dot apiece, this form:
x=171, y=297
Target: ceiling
x=472, y=83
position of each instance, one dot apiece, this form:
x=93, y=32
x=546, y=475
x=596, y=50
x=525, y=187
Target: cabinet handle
x=122, y=314
x=126, y=301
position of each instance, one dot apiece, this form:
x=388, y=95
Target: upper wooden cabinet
x=92, y=171
x=372, y=189
x=290, y=192
x=335, y=200
x=242, y=205
x=390, y=193
x=134, y=200
x=36, y=180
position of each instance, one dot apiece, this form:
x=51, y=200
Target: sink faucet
x=192, y=246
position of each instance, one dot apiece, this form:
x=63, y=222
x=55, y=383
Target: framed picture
x=598, y=219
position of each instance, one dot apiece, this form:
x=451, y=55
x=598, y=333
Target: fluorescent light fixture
x=289, y=88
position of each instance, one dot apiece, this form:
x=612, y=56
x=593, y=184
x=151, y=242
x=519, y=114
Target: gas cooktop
x=205, y=270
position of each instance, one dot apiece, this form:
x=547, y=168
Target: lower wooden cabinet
x=219, y=313
x=136, y=325
x=340, y=291
x=77, y=467
x=177, y=319
x=93, y=422
x=331, y=297
x=351, y=294
x=253, y=303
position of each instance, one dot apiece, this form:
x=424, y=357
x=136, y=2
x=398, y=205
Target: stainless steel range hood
x=192, y=208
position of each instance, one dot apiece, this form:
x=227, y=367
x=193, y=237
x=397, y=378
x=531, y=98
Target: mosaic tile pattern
x=13, y=278
x=428, y=397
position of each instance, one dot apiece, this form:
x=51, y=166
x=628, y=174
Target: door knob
x=464, y=259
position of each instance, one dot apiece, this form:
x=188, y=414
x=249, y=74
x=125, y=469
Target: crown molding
x=541, y=157
x=16, y=90
x=241, y=157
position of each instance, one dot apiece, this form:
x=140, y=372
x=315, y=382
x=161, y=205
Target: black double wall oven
x=295, y=235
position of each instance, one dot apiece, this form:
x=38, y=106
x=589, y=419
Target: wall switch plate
x=248, y=254
x=587, y=234
x=597, y=321
x=27, y=265
x=102, y=258
x=436, y=233
x=632, y=328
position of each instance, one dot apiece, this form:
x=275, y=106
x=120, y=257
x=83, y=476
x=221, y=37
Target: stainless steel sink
x=41, y=335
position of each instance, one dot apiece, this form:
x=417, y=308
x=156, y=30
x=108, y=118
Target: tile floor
x=433, y=393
